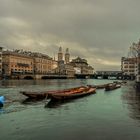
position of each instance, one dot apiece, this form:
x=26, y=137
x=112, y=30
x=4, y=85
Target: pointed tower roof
x=60, y=49
x=67, y=50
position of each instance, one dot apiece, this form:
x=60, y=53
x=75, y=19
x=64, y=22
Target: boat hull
x=64, y=96
x=98, y=86
x=34, y=95
x=112, y=87
x=46, y=94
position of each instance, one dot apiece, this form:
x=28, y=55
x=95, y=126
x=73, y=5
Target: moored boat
x=45, y=94
x=98, y=86
x=83, y=91
x=112, y=86
x=35, y=95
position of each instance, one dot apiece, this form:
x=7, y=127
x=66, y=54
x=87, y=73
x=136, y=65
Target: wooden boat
x=112, y=86
x=83, y=91
x=65, y=90
x=36, y=95
x=124, y=82
x=98, y=86
x=120, y=82
x=45, y=94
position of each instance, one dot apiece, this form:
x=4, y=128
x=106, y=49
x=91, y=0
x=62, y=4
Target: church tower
x=60, y=54
x=67, y=56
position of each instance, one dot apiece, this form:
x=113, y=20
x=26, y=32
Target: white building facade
x=129, y=66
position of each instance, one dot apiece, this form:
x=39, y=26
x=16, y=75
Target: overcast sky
x=100, y=31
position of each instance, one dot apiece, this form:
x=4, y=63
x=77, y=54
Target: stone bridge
x=113, y=74
x=38, y=76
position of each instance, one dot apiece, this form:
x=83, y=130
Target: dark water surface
x=112, y=115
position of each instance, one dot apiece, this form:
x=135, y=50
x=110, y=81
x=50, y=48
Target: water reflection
x=56, y=104
x=132, y=99
x=13, y=83
x=30, y=101
x=33, y=102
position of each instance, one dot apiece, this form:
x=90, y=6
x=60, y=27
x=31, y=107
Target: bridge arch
x=46, y=77
x=28, y=77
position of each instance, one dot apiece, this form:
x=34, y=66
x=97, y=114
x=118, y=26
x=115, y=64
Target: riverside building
x=71, y=68
x=20, y=64
x=43, y=64
x=64, y=67
x=82, y=66
x=15, y=63
x=128, y=66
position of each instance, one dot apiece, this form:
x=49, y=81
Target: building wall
x=54, y=64
x=67, y=58
x=128, y=66
x=17, y=64
x=43, y=65
x=65, y=69
x=77, y=70
x=83, y=65
x=69, y=70
x=60, y=56
x=90, y=70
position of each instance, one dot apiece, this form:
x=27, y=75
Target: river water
x=112, y=115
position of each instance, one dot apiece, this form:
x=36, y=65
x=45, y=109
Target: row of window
x=39, y=71
x=43, y=68
x=128, y=63
x=129, y=67
x=21, y=70
x=21, y=61
x=43, y=60
x=129, y=71
x=15, y=66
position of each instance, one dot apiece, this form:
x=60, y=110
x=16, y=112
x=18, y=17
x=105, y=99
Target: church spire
x=60, y=54
x=67, y=56
x=60, y=49
x=67, y=51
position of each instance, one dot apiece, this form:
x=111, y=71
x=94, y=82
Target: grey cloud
x=93, y=29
